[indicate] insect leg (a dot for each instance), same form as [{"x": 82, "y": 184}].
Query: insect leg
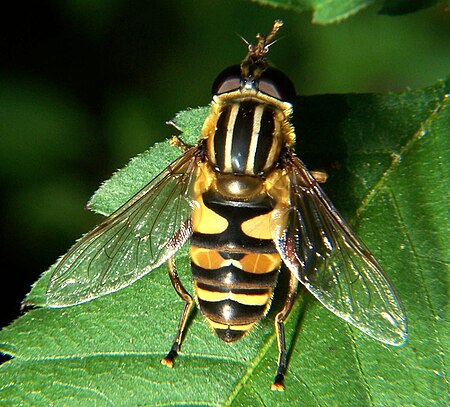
[
  {"x": 177, "y": 142},
  {"x": 278, "y": 383},
  {"x": 169, "y": 360},
  {"x": 320, "y": 176}
]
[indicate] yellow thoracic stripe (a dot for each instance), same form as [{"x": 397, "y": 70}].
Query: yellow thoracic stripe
[
  {"x": 254, "y": 140},
  {"x": 229, "y": 138},
  {"x": 245, "y": 299}
]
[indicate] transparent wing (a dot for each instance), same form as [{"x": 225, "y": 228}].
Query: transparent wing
[
  {"x": 332, "y": 262},
  {"x": 134, "y": 240}
]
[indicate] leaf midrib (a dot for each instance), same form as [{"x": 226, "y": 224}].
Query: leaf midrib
[{"x": 396, "y": 160}]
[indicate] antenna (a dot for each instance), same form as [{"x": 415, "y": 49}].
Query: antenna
[{"x": 255, "y": 63}]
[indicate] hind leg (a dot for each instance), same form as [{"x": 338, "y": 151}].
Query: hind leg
[
  {"x": 169, "y": 360},
  {"x": 278, "y": 383}
]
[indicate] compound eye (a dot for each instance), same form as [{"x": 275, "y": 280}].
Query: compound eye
[
  {"x": 269, "y": 88},
  {"x": 276, "y": 84},
  {"x": 228, "y": 80}
]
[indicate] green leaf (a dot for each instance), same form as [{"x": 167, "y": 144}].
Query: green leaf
[
  {"x": 324, "y": 11},
  {"x": 389, "y": 178},
  {"x": 332, "y": 11}
]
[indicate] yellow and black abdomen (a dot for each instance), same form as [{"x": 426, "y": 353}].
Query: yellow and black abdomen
[{"x": 234, "y": 262}]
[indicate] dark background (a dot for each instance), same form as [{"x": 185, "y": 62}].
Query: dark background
[{"x": 84, "y": 86}]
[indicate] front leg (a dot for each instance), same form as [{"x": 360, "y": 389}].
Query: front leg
[
  {"x": 320, "y": 176},
  {"x": 177, "y": 142}
]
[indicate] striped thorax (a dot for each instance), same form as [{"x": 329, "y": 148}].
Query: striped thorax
[{"x": 246, "y": 131}]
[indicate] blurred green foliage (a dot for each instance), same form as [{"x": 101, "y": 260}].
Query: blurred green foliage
[{"x": 84, "y": 86}]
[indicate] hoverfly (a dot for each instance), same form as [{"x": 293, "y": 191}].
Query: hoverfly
[{"x": 248, "y": 205}]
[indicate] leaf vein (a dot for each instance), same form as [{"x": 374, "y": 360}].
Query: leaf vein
[
  {"x": 84, "y": 388},
  {"x": 359, "y": 364},
  {"x": 397, "y": 158},
  {"x": 427, "y": 295}
]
